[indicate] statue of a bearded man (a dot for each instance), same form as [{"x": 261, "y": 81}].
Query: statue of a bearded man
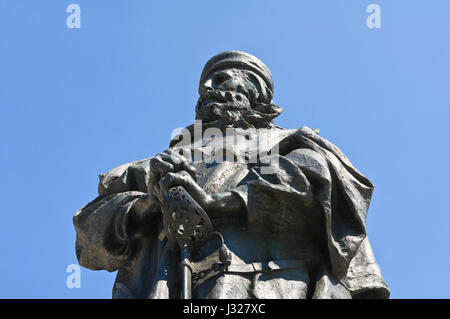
[{"x": 286, "y": 208}]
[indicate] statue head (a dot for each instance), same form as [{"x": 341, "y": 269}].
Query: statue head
[{"x": 236, "y": 90}]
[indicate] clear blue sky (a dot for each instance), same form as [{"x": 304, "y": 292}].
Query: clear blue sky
[{"x": 78, "y": 102}]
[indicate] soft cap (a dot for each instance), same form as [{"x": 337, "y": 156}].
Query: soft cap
[{"x": 233, "y": 59}]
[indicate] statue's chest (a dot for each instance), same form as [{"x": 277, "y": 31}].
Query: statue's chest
[
  {"x": 220, "y": 177},
  {"x": 223, "y": 161}
]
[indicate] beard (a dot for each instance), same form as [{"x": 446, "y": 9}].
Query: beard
[{"x": 224, "y": 109}]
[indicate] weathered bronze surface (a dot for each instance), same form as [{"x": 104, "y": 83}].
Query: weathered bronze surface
[{"x": 286, "y": 208}]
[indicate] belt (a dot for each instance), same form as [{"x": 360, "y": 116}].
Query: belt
[
  {"x": 266, "y": 266},
  {"x": 220, "y": 262},
  {"x": 208, "y": 268}
]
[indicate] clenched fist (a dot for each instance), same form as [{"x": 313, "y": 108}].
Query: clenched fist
[{"x": 169, "y": 169}]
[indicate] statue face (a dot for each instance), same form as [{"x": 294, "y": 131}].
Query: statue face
[
  {"x": 236, "y": 97},
  {"x": 233, "y": 80},
  {"x": 226, "y": 94}
]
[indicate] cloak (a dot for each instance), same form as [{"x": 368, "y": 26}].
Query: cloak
[{"x": 314, "y": 190}]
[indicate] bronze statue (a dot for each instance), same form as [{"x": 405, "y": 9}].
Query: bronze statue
[{"x": 248, "y": 209}]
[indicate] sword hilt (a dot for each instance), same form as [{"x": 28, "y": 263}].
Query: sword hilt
[
  {"x": 186, "y": 224},
  {"x": 185, "y": 221}
]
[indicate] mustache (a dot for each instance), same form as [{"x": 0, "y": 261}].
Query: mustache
[
  {"x": 226, "y": 97},
  {"x": 214, "y": 104},
  {"x": 212, "y": 111},
  {"x": 236, "y": 109}
]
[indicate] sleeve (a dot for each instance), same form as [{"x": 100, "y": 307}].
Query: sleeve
[
  {"x": 345, "y": 204},
  {"x": 364, "y": 277},
  {"x": 102, "y": 240}
]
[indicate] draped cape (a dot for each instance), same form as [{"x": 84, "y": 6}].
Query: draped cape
[{"x": 308, "y": 169}]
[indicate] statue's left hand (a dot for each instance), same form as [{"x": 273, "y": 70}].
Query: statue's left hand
[
  {"x": 218, "y": 205},
  {"x": 166, "y": 162},
  {"x": 184, "y": 179}
]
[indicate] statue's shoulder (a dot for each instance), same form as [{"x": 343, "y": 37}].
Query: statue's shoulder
[
  {"x": 309, "y": 135},
  {"x": 310, "y": 138},
  {"x": 305, "y": 130},
  {"x": 131, "y": 176},
  {"x": 302, "y": 152}
]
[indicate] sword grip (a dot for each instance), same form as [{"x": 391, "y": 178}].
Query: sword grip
[{"x": 186, "y": 274}]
